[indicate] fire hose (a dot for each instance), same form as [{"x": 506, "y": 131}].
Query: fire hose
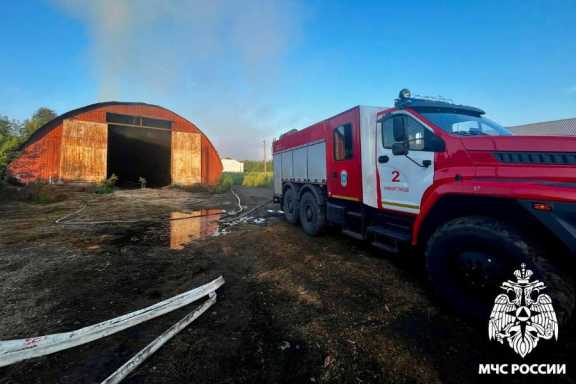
[{"x": 63, "y": 219}]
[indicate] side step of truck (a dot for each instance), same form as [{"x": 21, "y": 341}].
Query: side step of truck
[
  {"x": 354, "y": 225},
  {"x": 353, "y": 234},
  {"x": 389, "y": 238},
  {"x": 397, "y": 233}
]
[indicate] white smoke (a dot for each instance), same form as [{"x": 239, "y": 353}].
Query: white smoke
[{"x": 196, "y": 55}]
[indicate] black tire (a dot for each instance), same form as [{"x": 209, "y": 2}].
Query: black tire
[
  {"x": 290, "y": 206},
  {"x": 469, "y": 258},
  {"x": 312, "y": 215}
]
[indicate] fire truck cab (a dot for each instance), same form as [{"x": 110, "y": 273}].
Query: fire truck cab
[{"x": 441, "y": 179}]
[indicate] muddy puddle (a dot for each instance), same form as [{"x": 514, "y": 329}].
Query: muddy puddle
[
  {"x": 186, "y": 227},
  {"x": 183, "y": 227},
  {"x": 179, "y": 229}
]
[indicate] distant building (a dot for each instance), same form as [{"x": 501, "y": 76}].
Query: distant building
[
  {"x": 231, "y": 165},
  {"x": 565, "y": 127}
]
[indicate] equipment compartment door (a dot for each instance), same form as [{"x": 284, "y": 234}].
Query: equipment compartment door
[{"x": 344, "y": 158}]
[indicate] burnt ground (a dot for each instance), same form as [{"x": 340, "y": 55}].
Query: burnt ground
[{"x": 294, "y": 309}]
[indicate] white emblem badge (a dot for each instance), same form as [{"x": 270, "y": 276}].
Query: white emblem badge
[
  {"x": 522, "y": 321},
  {"x": 344, "y": 178}
]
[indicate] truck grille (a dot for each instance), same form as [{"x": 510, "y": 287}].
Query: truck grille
[{"x": 560, "y": 158}]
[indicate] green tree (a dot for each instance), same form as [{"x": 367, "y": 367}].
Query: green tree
[
  {"x": 9, "y": 127},
  {"x": 4, "y": 126},
  {"x": 9, "y": 141},
  {"x": 257, "y": 166},
  {"x": 38, "y": 119},
  {"x": 13, "y": 133}
]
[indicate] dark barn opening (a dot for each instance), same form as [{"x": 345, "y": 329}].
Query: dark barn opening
[{"x": 139, "y": 147}]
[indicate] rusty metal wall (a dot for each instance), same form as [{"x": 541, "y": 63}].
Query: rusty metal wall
[
  {"x": 211, "y": 163},
  {"x": 83, "y": 151},
  {"x": 39, "y": 160},
  {"x": 186, "y": 158}
]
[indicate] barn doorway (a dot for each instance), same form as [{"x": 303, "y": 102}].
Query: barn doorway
[{"x": 137, "y": 150}]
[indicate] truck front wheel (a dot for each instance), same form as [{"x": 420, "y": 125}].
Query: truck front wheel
[
  {"x": 469, "y": 258},
  {"x": 312, "y": 215}
]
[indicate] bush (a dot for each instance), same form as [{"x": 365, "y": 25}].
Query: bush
[
  {"x": 236, "y": 177},
  {"x": 258, "y": 179},
  {"x": 8, "y": 147},
  {"x": 227, "y": 180},
  {"x": 107, "y": 186},
  {"x": 257, "y": 166}
]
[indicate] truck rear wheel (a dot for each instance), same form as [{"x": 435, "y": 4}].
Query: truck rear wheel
[
  {"x": 290, "y": 206},
  {"x": 312, "y": 215},
  {"x": 469, "y": 258}
]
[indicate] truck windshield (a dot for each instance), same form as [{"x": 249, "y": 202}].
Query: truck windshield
[{"x": 465, "y": 125}]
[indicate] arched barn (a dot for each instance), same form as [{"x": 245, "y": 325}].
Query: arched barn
[{"x": 130, "y": 140}]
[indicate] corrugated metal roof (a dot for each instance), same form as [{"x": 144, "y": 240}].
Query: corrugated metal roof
[
  {"x": 565, "y": 127},
  {"x": 76, "y": 111}
]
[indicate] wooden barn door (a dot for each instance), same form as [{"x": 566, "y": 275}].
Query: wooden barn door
[
  {"x": 83, "y": 153},
  {"x": 186, "y": 158}
]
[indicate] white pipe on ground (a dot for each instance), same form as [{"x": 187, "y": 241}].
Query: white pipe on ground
[
  {"x": 136, "y": 360},
  {"x": 13, "y": 351}
]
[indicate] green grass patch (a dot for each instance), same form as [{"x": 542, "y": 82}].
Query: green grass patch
[
  {"x": 107, "y": 186},
  {"x": 229, "y": 179},
  {"x": 258, "y": 179}
]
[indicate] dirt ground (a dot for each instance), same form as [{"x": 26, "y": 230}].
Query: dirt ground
[{"x": 294, "y": 309}]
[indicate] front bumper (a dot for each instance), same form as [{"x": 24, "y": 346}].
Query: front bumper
[{"x": 561, "y": 220}]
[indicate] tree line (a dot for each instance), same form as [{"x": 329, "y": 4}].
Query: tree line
[
  {"x": 14, "y": 132},
  {"x": 257, "y": 166}
]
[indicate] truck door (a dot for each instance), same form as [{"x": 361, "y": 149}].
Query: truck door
[
  {"x": 344, "y": 173},
  {"x": 404, "y": 179}
]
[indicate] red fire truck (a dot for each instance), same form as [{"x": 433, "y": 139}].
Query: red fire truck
[{"x": 444, "y": 180}]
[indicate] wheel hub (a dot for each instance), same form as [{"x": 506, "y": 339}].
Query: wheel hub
[
  {"x": 477, "y": 270},
  {"x": 309, "y": 213},
  {"x": 290, "y": 205}
]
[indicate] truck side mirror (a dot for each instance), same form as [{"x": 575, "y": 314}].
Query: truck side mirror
[
  {"x": 399, "y": 130},
  {"x": 400, "y": 148}
]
